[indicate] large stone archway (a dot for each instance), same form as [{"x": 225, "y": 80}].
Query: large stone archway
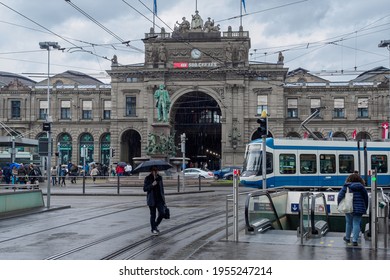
[
  {"x": 130, "y": 146},
  {"x": 198, "y": 115}
]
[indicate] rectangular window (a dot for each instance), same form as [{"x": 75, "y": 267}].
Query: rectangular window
[
  {"x": 287, "y": 164},
  {"x": 87, "y": 110},
  {"x": 346, "y": 164},
  {"x": 292, "y": 108},
  {"x": 315, "y": 103},
  {"x": 338, "y": 111},
  {"x": 379, "y": 162},
  {"x": 15, "y": 109},
  {"x": 262, "y": 104},
  {"x": 42, "y": 109},
  {"x": 65, "y": 110},
  {"x": 328, "y": 164},
  {"x": 107, "y": 109},
  {"x": 131, "y": 106},
  {"x": 308, "y": 163},
  {"x": 363, "y": 107}
]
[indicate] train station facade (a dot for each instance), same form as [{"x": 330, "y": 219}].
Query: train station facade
[{"x": 216, "y": 97}]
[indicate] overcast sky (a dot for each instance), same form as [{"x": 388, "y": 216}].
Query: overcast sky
[{"x": 319, "y": 35}]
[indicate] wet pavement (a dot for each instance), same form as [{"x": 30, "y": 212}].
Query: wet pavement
[{"x": 80, "y": 215}]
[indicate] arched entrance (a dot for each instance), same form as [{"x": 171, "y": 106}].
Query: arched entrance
[
  {"x": 130, "y": 146},
  {"x": 198, "y": 115}
]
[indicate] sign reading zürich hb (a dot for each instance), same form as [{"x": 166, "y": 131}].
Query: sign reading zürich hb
[{"x": 201, "y": 65}]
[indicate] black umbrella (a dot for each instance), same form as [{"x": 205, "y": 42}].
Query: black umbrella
[{"x": 147, "y": 165}]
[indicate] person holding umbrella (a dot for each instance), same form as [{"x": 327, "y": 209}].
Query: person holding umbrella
[{"x": 155, "y": 199}]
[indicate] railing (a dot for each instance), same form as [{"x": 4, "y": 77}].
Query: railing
[
  {"x": 304, "y": 214},
  {"x": 84, "y": 183},
  {"x": 313, "y": 216}
]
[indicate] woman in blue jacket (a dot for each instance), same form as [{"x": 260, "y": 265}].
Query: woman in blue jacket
[
  {"x": 360, "y": 204},
  {"x": 155, "y": 199}
]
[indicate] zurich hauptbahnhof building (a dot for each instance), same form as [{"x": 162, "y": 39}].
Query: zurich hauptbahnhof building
[{"x": 216, "y": 97}]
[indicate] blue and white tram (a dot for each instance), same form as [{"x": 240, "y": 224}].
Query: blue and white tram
[{"x": 310, "y": 163}]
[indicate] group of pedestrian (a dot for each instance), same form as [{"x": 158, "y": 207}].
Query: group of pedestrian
[{"x": 20, "y": 174}]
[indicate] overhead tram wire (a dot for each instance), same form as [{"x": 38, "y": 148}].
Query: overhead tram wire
[
  {"x": 48, "y": 30},
  {"x": 127, "y": 43},
  {"x": 140, "y": 12},
  {"x": 262, "y": 11}
]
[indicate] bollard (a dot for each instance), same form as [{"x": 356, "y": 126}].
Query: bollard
[
  {"x": 178, "y": 183},
  {"x": 84, "y": 183},
  {"x": 200, "y": 183},
  {"x": 118, "y": 184}
]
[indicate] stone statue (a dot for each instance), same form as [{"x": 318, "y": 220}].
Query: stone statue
[
  {"x": 152, "y": 144},
  {"x": 241, "y": 53},
  {"x": 229, "y": 52},
  {"x": 114, "y": 60},
  {"x": 163, "y": 103},
  {"x": 149, "y": 54},
  {"x": 208, "y": 25},
  {"x": 197, "y": 21},
  {"x": 280, "y": 58},
  {"x": 162, "y": 53},
  {"x": 184, "y": 26}
]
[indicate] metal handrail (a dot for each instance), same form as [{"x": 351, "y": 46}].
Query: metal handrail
[
  {"x": 303, "y": 234},
  {"x": 313, "y": 204},
  {"x": 260, "y": 193}
]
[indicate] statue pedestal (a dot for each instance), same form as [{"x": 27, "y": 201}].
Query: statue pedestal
[{"x": 161, "y": 128}]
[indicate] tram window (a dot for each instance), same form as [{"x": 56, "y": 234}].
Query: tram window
[
  {"x": 308, "y": 163},
  {"x": 287, "y": 164},
  {"x": 327, "y": 164},
  {"x": 346, "y": 164},
  {"x": 379, "y": 162},
  {"x": 269, "y": 163}
]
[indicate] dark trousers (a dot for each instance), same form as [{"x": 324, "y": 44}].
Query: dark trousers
[{"x": 153, "y": 211}]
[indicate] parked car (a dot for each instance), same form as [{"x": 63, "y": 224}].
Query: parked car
[
  {"x": 220, "y": 173},
  {"x": 196, "y": 172},
  {"x": 229, "y": 175}
]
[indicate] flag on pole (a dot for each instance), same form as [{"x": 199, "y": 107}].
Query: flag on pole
[
  {"x": 354, "y": 134},
  {"x": 243, "y": 4},
  {"x": 155, "y": 7},
  {"x": 385, "y": 130}
]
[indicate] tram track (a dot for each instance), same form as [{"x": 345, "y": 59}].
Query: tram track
[
  {"x": 71, "y": 223},
  {"x": 139, "y": 248}
]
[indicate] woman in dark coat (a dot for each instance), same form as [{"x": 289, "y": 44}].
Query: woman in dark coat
[
  {"x": 155, "y": 199},
  {"x": 360, "y": 204}
]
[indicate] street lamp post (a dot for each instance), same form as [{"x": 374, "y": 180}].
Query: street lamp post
[
  {"x": 386, "y": 44},
  {"x": 47, "y": 46}
]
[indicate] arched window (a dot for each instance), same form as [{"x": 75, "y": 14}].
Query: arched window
[
  {"x": 86, "y": 142},
  {"x": 64, "y": 148},
  {"x": 105, "y": 149}
]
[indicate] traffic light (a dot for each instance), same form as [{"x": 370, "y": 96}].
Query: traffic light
[
  {"x": 262, "y": 129},
  {"x": 112, "y": 152},
  {"x": 46, "y": 126}
]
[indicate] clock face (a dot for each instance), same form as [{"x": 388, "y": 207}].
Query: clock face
[{"x": 195, "y": 53}]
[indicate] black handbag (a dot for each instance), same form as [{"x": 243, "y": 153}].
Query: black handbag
[{"x": 167, "y": 213}]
